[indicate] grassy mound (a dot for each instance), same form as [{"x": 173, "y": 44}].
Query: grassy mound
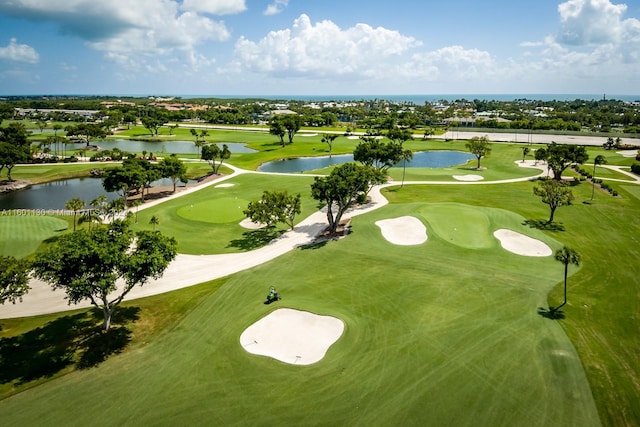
[{"x": 21, "y": 235}]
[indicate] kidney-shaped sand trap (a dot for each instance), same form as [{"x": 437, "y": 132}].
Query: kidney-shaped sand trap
[
  {"x": 224, "y": 185},
  {"x": 520, "y": 244},
  {"x": 292, "y": 336},
  {"x": 404, "y": 230}
]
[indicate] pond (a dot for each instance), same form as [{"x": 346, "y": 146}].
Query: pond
[
  {"x": 54, "y": 195},
  {"x": 421, "y": 159},
  {"x": 158, "y": 148}
]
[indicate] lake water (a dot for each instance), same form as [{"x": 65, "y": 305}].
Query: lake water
[
  {"x": 159, "y": 148},
  {"x": 421, "y": 159},
  {"x": 53, "y": 195}
]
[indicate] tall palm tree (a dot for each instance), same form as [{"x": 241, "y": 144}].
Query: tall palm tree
[
  {"x": 407, "y": 155},
  {"x": 566, "y": 256},
  {"x": 76, "y": 205},
  {"x": 154, "y": 221},
  {"x": 599, "y": 160},
  {"x": 525, "y": 151}
]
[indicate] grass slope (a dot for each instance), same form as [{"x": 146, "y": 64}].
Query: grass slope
[{"x": 21, "y": 235}]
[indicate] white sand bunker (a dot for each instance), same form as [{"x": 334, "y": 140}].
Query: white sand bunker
[
  {"x": 247, "y": 223},
  {"x": 627, "y": 153},
  {"x": 468, "y": 177},
  {"x": 404, "y": 230},
  {"x": 224, "y": 185},
  {"x": 520, "y": 244},
  {"x": 307, "y": 134},
  {"x": 292, "y": 336}
]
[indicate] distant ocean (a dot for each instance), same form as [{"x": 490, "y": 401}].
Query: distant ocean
[{"x": 421, "y": 99}]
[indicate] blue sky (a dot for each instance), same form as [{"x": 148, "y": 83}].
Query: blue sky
[{"x": 316, "y": 47}]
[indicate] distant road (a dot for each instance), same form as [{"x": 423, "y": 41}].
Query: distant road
[{"x": 519, "y": 137}]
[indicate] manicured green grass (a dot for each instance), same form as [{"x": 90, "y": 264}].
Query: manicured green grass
[
  {"x": 20, "y": 235},
  {"x": 429, "y": 329},
  {"x": 208, "y": 221}
]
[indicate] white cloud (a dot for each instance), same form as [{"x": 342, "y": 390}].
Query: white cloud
[
  {"x": 129, "y": 32},
  {"x": 19, "y": 52},
  {"x": 589, "y": 22},
  {"x": 215, "y": 7},
  {"x": 321, "y": 50},
  {"x": 276, "y": 7}
]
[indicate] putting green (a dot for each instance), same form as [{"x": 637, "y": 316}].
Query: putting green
[
  {"x": 217, "y": 211},
  {"x": 462, "y": 225},
  {"x": 20, "y": 235}
]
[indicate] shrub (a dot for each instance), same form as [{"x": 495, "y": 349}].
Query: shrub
[{"x": 635, "y": 168}]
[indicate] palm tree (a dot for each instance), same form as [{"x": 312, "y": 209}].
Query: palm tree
[
  {"x": 566, "y": 256},
  {"x": 525, "y": 151},
  {"x": 599, "y": 160},
  {"x": 154, "y": 221},
  {"x": 407, "y": 155},
  {"x": 74, "y": 205}
]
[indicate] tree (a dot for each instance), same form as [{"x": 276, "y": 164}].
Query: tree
[
  {"x": 86, "y": 132},
  {"x": 154, "y": 221},
  {"x": 561, "y": 156},
  {"x": 566, "y": 256},
  {"x": 211, "y": 152},
  {"x": 88, "y": 264},
  {"x": 379, "y": 155},
  {"x": 340, "y": 189},
  {"x": 76, "y": 205},
  {"x": 479, "y": 146},
  {"x": 292, "y": 124},
  {"x": 276, "y": 127},
  {"x": 172, "y": 167},
  {"x": 553, "y": 193},
  {"x": 14, "y": 279},
  {"x": 540, "y": 155},
  {"x": 612, "y": 143},
  {"x": 328, "y": 139},
  {"x": 407, "y": 155},
  {"x": 599, "y": 160},
  {"x": 14, "y": 147},
  {"x": 525, "y": 151},
  {"x": 274, "y": 207}
]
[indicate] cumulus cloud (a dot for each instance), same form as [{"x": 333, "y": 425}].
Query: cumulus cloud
[
  {"x": 321, "y": 49},
  {"x": 276, "y": 7},
  {"x": 125, "y": 29},
  {"x": 452, "y": 62},
  {"x": 215, "y": 7},
  {"x": 19, "y": 52},
  {"x": 589, "y": 22}
]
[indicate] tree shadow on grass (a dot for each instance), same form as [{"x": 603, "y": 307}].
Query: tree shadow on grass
[
  {"x": 544, "y": 225},
  {"x": 255, "y": 239},
  {"x": 75, "y": 339},
  {"x": 551, "y": 313}
]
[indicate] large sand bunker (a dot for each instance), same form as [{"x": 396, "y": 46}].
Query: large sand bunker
[
  {"x": 521, "y": 245},
  {"x": 404, "y": 230},
  {"x": 468, "y": 177},
  {"x": 292, "y": 336}
]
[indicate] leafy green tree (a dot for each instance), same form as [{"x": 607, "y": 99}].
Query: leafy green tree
[
  {"x": 276, "y": 127},
  {"x": 599, "y": 160},
  {"x": 274, "y": 207},
  {"x": 14, "y": 147},
  {"x": 212, "y": 152},
  {"x": 399, "y": 135},
  {"x": 88, "y": 264},
  {"x": 479, "y": 146},
  {"x": 540, "y": 155},
  {"x": 172, "y": 167},
  {"x": 86, "y": 132},
  {"x": 561, "y": 156},
  {"x": 328, "y": 139},
  {"x": 76, "y": 205},
  {"x": 14, "y": 279},
  {"x": 340, "y": 189},
  {"x": 292, "y": 124},
  {"x": 566, "y": 256},
  {"x": 377, "y": 154},
  {"x": 553, "y": 193},
  {"x": 525, "y": 152}
]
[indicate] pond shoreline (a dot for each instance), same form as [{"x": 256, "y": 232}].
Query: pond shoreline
[{"x": 15, "y": 185}]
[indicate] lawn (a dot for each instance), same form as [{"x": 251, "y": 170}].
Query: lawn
[
  {"x": 443, "y": 333},
  {"x": 20, "y": 235}
]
